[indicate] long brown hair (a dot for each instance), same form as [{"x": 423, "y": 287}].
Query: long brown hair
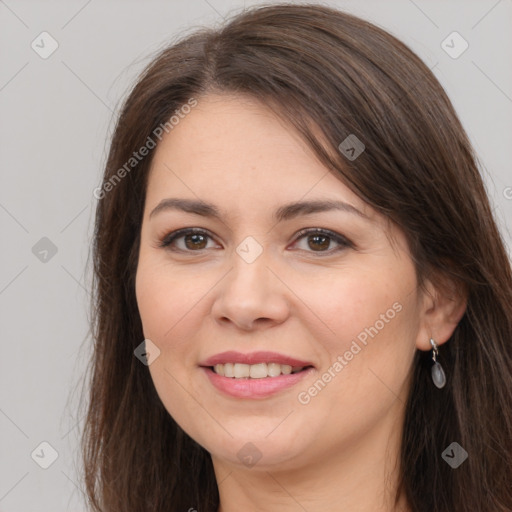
[{"x": 330, "y": 74}]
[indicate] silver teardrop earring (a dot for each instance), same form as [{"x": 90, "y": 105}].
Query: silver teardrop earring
[{"x": 438, "y": 375}]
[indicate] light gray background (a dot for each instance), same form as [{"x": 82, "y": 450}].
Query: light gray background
[{"x": 55, "y": 120}]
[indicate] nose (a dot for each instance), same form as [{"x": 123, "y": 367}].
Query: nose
[{"x": 251, "y": 295}]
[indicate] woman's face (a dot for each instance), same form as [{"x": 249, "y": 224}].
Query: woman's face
[{"x": 250, "y": 293}]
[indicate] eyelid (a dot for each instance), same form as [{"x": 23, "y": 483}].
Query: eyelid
[
  {"x": 340, "y": 239},
  {"x": 172, "y": 236}
]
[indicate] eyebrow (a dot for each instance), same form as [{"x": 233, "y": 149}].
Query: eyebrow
[{"x": 285, "y": 212}]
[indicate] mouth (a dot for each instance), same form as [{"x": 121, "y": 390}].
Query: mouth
[
  {"x": 256, "y": 375},
  {"x": 256, "y": 371}
]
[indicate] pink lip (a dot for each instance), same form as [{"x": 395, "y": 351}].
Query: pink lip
[
  {"x": 255, "y": 388},
  {"x": 253, "y": 358}
]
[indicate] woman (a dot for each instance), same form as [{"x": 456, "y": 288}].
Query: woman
[{"x": 302, "y": 299}]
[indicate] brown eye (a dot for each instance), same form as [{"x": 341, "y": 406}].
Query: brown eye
[
  {"x": 194, "y": 240},
  {"x": 319, "y": 240}
]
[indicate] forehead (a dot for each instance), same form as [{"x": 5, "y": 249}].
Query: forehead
[
  {"x": 233, "y": 134},
  {"x": 234, "y": 150}
]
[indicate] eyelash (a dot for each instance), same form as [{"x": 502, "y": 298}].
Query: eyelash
[{"x": 180, "y": 233}]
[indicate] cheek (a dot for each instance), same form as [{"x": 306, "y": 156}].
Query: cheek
[
  {"x": 367, "y": 361},
  {"x": 369, "y": 321},
  {"x": 165, "y": 298},
  {"x": 168, "y": 306},
  {"x": 354, "y": 306}
]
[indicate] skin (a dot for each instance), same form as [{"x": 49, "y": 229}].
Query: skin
[{"x": 338, "y": 451}]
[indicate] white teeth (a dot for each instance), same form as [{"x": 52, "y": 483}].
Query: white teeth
[
  {"x": 273, "y": 369},
  {"x": 240, "y": 370},
  {"x": 228, "y": 370},
  {"x": 254, "y": 371},
  {"x": 258, "y": 371},
  {"x": 286, "y": 369}
]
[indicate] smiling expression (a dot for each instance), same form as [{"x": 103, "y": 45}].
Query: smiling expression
[{"x": 258, "y": 269}]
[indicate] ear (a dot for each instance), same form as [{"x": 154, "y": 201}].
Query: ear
[{"x": 442, "y": 306}]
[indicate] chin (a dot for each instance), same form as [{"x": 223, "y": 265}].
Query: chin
[{"x": 257, "y": 449}]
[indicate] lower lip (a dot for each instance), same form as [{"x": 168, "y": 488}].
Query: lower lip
[{"x": 254, "y": 388}]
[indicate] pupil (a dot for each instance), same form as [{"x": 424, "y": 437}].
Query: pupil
[
  {"x": 196, "y": 242},
  {"x": 321, "y": 237}
]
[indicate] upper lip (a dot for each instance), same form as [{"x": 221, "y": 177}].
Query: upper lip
[{"x": 253, "y": 358}]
